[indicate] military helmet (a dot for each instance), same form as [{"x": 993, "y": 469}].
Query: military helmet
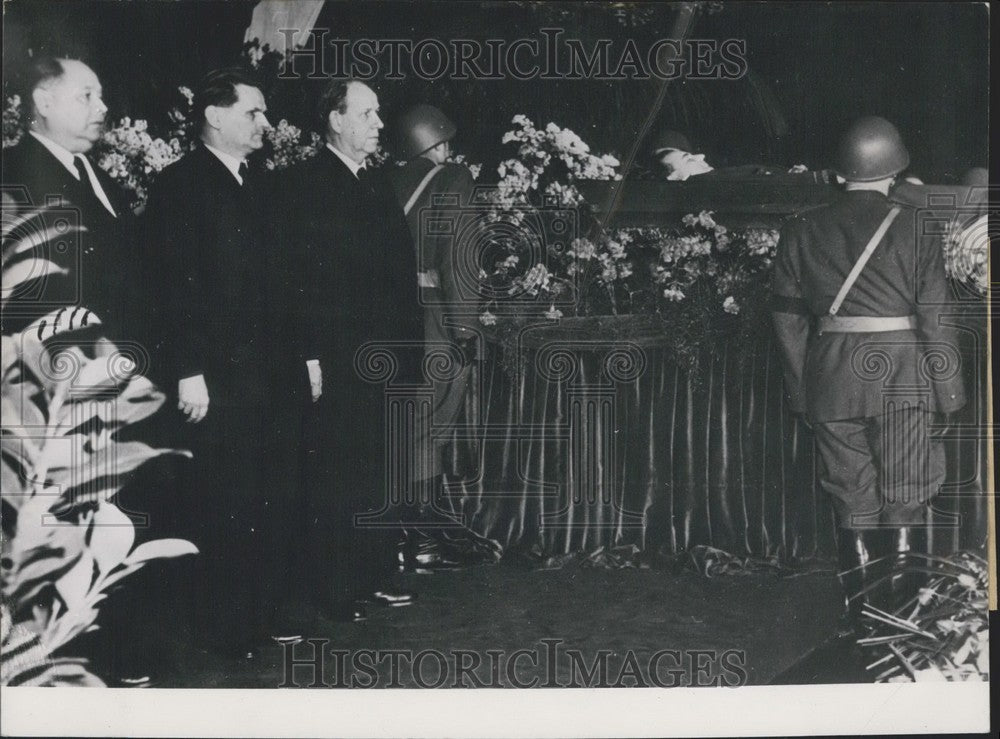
[
  {"x": 668, "y": 139},
  {"x": 976, "y": 177},
  {"x": 870, "y": 150},
  {"x": 422, "y": 127}
]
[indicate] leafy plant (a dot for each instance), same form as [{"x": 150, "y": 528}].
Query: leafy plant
[
  {"x": 66, "y": 393},
  {"x": 940, "y": 634}
]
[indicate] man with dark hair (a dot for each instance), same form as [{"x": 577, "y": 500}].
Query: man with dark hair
[
  {"x": 359, "y": 272},
  {"x": 207, "y": 212},
  {"x": 671, "y": 156},
  {"x": 50, "y": 167}
]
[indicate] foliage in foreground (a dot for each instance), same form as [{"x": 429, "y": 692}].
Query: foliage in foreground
[
  {"x": 66, "y": 393},
  {"x": 942, "y": 634}
]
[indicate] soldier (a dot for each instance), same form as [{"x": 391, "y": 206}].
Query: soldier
[
  {"x": 424, "y": 134},
  {"x": 857, "y": 294}
]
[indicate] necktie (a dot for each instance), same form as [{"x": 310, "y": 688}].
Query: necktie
[
  {"x": 364, "y": 176},
  {"x": 244, "y": 170},
  {"x": 81, "y": 169}
]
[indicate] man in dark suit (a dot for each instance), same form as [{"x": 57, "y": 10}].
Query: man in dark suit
[
  {"x": 50, "y": 166},
  {"x": 360, "y": 268},
  {"x": 869, "y": 358},
  {"x": 206, "y": 215}
]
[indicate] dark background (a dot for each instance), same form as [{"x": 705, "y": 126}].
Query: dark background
[{"x": 812, "y": 68}]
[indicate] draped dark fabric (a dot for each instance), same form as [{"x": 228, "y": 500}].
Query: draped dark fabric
[{"x": 610, "y": 443}]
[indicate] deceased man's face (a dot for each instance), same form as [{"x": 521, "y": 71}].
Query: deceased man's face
[{"x": 682, "y": 164}]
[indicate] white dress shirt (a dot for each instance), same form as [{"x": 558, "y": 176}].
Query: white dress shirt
[
  {"x": 351, "y": 164},
  {"x": 68, "y": 160},
  {"x": 231, "y": 162}
]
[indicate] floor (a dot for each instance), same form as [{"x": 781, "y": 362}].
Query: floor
[{"x": 574, "y": 627}]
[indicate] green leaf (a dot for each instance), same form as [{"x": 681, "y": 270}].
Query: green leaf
[
  {"x": 35, "y": 239},
  {"x": 74, "y": 586},
  {"x": 29, "y": 269},
  {"x": 161, "y": 549},
  {"x": 139, "y": 400},
  {"x": 111, "y": 538},
  {"x": 115, "y": 460}
]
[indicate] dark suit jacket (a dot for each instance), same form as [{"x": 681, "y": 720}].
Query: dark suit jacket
[
  {"x": 835, "y": 376},
  {"x": 359, "y": 264},
  {"x": 358, "y": 270},
  {"x": 206, "y": 234},
  {"x": 100, "y": 260}
]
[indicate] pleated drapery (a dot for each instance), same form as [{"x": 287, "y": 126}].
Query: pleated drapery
[{"x": 606, "y": 443}]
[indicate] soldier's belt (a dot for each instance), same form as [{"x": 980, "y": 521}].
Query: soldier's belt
[
  {"x": 865, "y": 324},
  {"x": 428, "y": 279}
]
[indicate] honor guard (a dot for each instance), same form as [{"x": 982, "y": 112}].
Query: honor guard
[
  {"x": 433, "y": 190},
  {"x": 858, "y": 297}
]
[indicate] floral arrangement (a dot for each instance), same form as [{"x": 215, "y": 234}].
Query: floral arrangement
[
  {"x": 12, "y": 128},
  {"x": 133, "y": 157},
  {"x": 66, "y": 544},
  {"x": 966, "y": 246},
  {"x": 547, "y": 163},
  {"x": 289, "y": 146},
  {"x": 474, "y": 169},
  {"x": 940, "y": 635},
  {"x": 704, "y": 281}
]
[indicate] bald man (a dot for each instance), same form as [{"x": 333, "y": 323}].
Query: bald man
[{"x": 51, "y": 166}]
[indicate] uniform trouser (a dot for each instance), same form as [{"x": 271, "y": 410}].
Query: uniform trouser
[
  {"x": 431, "y": 432},
  {"x": 880, "y": 470}
]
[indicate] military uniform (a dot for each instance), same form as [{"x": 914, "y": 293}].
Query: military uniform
[
  {"x": 869, "y": 392},
  {"x": 443, "y": 266}
]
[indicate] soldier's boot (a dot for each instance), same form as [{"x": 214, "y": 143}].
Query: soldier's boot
[
  {"x": 905, "y": 575},
  {"x": 861, "y": 555}
]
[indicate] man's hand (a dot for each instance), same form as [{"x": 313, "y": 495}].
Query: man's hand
[
  {"x": 315, "y": 378},
  {"x": 192, "y": 396}
]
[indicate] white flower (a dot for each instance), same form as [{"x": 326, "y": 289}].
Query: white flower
[
  {"x": 536, "y": 279},
  {"x": 729, "y": 305},
  {"x": 674, "y": 294},
  {"x": 487, "y": 318},
  {"x": 553, "y": 312},
  {"x": 582, "y": 249}
]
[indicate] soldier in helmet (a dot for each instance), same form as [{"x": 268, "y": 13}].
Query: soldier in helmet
[
  {"x": 857, "y": 297},
  {"x": 426, "y": 184}
]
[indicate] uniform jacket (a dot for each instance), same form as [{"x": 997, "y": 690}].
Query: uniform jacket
[
  {"x": 206, "y": 234},
  {"x": 833, "y": 376},
  {"x": 449, "y": 256},
  {"x": 100, "y": 260}
]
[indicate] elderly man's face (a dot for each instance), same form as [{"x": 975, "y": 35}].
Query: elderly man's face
[
  {"x": 241, "y": 126},
  {"x": 682, "y": 164},
  {"x": 69, "y": 109},
  {"x": 356, "y": 129}
]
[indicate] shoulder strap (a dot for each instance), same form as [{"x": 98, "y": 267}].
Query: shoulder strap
[
  {"x": 420, "y": 188},
  {"x": 859, "y": 265}
]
